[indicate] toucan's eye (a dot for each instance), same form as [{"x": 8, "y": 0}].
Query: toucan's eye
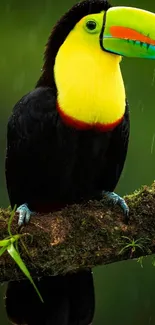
[{"x": 91, "y": 26}]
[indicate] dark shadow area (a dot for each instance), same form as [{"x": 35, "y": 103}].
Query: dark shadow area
[{"x": 68, "y": 300}]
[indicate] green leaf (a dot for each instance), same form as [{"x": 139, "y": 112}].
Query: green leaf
[
  {"x": 8, "y": 244},
  {"x": 2, "y": 250},
  {"x": 12, "y": 251},
  {"x": 125, "y": 237},
  {"x": 15, "y": 237},
  {"x": 140, "y": 261},
  {"x": 153, "y": 261},
  {"x": 25, "y": 248},
  {"x": 5, "y": 242},
  {"x": 122, "y": 250}
]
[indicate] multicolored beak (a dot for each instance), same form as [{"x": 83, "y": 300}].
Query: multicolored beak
[{"x": 129, "y": 32}]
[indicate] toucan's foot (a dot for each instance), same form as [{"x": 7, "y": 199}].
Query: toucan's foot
[
  {"x": 24, "y": 214},
  {"x": 115, "y": 199}
]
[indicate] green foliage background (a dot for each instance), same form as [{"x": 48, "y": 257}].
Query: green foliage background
[{"x": 125, "y": 292}]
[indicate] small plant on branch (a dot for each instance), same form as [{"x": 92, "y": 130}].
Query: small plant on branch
[
  {"x": 10, "y": 244},
  {"x": 132, "y": 245}
]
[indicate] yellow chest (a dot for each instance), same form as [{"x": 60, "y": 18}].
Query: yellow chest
[{"x": 89, "y": 83}]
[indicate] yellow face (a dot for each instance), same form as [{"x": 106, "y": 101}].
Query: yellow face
[{"x": 89, "y": 81}]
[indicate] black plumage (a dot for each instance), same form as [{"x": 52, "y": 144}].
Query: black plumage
[
  {"x": 49, "y": 165},
  {"x": 68, "y": 300}
]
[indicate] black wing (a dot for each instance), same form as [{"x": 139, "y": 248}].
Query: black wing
[{"x": 31, "y": 131}]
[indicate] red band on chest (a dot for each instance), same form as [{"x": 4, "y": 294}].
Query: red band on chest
[{"x": 80, "y": 125}]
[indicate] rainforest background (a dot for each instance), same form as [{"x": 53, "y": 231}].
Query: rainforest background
[{"x": 125, "y": 292}]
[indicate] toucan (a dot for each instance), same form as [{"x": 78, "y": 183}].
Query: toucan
[{"x": 67, "y": 140}]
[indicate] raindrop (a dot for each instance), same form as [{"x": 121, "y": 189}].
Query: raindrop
[
  {"x": 140, "y": 106},
  {"x": 153, "y": 79},
  {"x": 19, "y": 81},
  {"x": 152, "y": 144},
  {"x": 8, "y": 8}
]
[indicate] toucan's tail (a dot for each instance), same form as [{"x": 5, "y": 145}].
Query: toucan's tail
[{"x": 68, "y": 300}]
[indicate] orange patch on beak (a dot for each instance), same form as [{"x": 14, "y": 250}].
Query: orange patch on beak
[{"x": 131, "y": 34}]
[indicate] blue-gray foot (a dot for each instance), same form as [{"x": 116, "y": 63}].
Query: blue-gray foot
[
  {"x": 115, "y": 199},
  {"x": 24, "y": 214}
]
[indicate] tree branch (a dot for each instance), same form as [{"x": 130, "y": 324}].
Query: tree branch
[{"x": 83, "y": 236}]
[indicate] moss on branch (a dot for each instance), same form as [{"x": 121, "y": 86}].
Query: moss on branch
[{"x": 83, "y": 236}]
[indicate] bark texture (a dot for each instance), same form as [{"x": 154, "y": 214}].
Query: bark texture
[{"x": 82, "y": 236}]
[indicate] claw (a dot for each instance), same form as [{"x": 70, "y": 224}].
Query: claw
[
  {"x": 24, "y": 214},
  {"x": 115, "y": 199}
]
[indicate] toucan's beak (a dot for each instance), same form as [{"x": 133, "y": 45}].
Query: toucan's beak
[{"x": 129, "y": 32}]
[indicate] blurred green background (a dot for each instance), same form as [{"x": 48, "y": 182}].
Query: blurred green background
[{"x": 125, "y": 292}]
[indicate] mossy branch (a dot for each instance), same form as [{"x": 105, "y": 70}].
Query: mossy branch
[{"x": 83, "y": 236}]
